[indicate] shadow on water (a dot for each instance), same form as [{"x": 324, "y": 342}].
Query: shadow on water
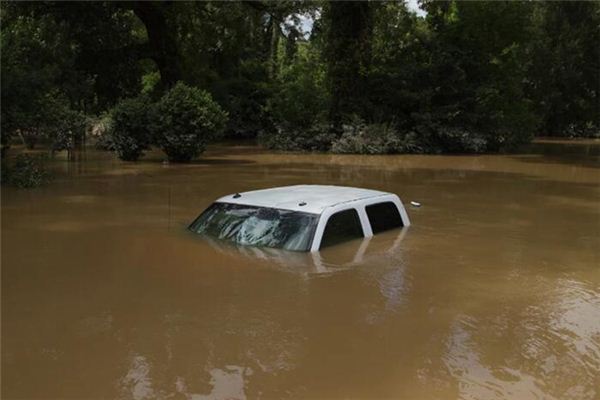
[{"x": 221, "y": 161}]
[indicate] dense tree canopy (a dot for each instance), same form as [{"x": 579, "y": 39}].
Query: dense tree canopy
[{"x": 468, "y": 76}]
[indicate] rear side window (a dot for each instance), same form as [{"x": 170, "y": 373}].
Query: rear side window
[
  {"x": 341, "y": 227},
  {"x": 383, "y": 216}
]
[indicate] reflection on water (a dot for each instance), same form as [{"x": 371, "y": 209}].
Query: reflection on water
[{"x": 492, "y": 293}]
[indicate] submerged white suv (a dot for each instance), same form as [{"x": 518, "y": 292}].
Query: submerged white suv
[{"x": 301, "y": 217}]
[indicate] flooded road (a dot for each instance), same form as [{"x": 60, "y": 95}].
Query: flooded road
[{"x": 492, "y": 293}]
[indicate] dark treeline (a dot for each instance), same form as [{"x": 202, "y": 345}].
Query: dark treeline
[{"x": 366, "y": 77}]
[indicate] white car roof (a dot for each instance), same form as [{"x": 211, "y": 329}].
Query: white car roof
[{"x": 316, "y": 197}]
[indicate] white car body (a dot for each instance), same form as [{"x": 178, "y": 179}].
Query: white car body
[{"x": 323, "y": 200}]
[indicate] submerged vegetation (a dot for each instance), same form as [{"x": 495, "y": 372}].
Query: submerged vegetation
[
  {"x": 184, "y": 120},
  {"x": 26, "y": 172},
  {"x": 180, "y": 123},
  {"x": 347, "y": 77}
]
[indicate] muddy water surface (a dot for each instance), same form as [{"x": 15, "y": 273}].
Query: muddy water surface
[{"x": 492, "y": 293}]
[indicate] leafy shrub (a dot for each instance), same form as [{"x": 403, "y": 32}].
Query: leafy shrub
[
  {"x": 441, "y": 133},
  {"x": 104, "y": 142},
  {"x": 361, "y": 138},
  {"x": 100, "y": 131},
  {"x": 317, "y": 137},
  {"x": 67, "y": 130},
  {"x": 588, "y": 130},
  {"x": 185, "y": 119},
  {"x": 357, "y": 138},
  {"x": 130, "y": 130},
  {"x": 26, "y": 172},
  {"x": 50, "y": 120}
]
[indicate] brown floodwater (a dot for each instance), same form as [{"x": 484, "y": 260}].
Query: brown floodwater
[{"x": 492, "y": 293}]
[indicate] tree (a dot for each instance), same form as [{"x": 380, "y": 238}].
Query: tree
[
  {"x": 349, "y": 55},
  {"x": 35, "y": 105},
  {"x": 475, "y": 79},
  {"x": 565, "y": 73},
  {"x": 162, "y": 41}
]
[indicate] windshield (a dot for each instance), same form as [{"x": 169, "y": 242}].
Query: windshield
[{"x": 257, "y": 226}]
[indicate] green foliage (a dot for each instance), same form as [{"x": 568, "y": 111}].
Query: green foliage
[
  {"x": 100, "y": 131},
  {"x": 130, "y": 128},
  {"x": 317, "y": 137},
  {"x": 67, "y": 129},
  {"x": 564, "y": 67},
  {"x": 398, "y": 77},
  {"x": 181, "y": 123},
  {"x": 185, "y": 119},
  {"x": 468, "y": 77},
  {"x": 26, "y": 172},
  {"x": 51, "y": 70},
  {"x": 348, "y": 53},
  {"x": 150, "y": 82},
  {"x": 590, "y": 129},
  {"x": 440, "y": 137},
  {"x": 33, "y": 54},
  {"x": 300, "y": 98},
  {"x": 361, "y": 138},
  {"x": 70, "y": 49},
  {"x": 244, "y": 97},
  {"x": 473, "y": 94},
  {"x": 49, "y": 120}
]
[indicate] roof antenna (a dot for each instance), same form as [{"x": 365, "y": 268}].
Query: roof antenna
[
  {"x": 237, "y": 196},
  {"x": 301, "y": 204}
]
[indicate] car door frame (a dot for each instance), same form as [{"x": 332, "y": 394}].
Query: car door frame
[{"x": 359, "y": 207}]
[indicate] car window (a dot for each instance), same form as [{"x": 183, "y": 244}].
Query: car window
[
  {"x": 257, "y": 226},
  {"x": 342, "y": 226},
  {"x": 383, "y": 216}
]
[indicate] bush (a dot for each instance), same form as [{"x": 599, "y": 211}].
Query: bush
[
  {"x": 130, "y": 130},
  {"x": 357, "y": 138},
  {"x": 68, "y": 129},
  {"x": 361, "y": 138},
  {"x": 317, "y": 137},
  {"x": 27, "y": 172},
  {"x": 185, "y": 119},
  {"x": 100, "y": 131},
  {"x": 50, "y": 120},
  {"x": 439, "y": 136},
  {"x": 586, "y": 130}
]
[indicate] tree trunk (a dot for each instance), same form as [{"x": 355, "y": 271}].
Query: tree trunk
[
  {"x": 275, "y": 32},
  {"x": 161, "y": 40}
]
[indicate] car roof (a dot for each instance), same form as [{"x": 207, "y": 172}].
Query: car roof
[{"x": 316, "y": 197}]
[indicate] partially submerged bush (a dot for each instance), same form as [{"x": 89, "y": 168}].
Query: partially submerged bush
[
  {"x": 587, "y": 130},
  {"x": 453, "y": 140},
  {"x": 68, "y": 130},
  {"x": 185, "y": 119},
  {"x": 130, "y": 129},
  {"x": 101, "y": 132},
  {"x": 361, "y": 138},
  {"x": 357, "y": 137},
  {"x": 49, "y": 120},
  {"x": 26, "y": 172},
  {"x": 317, "y": 137}
]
